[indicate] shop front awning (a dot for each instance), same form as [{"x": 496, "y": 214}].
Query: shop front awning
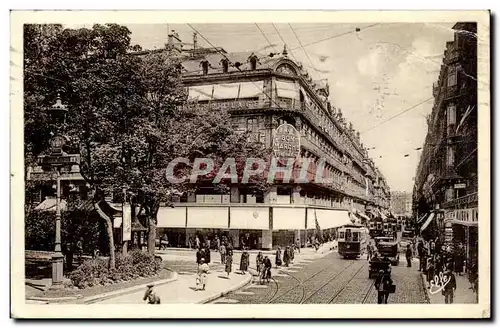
[
  {"x": 362, "y": 215},
  {"x": 208, "y": 217},
  {"x": 327, "y": 219},
  {"x": 288, "y": 218},
  {"x": 171, "y": 217},
  {"x": 382, "y": 215},
  {"x": 249, "y": 218},
  {"x": 287, "y": 90},
  {"x": 427, "y": 222}
]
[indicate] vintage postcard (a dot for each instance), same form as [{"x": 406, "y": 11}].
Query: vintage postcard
[{"x": 238, "y": 164}]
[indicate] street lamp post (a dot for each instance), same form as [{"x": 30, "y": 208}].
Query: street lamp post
[{"x": 55, "y": 161}]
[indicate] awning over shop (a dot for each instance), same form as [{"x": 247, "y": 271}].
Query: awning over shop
[
  {"x": 207, "y": 217},
  {"x": 172, "y": 217},
  {"x": 251, "y": 89},
  {"x": 249, "y": 218},
  {"x": 287, "y": 90},
  {"x": 49, "y": 204},
  {"x": 226, "y": 91},
  {"x": 327, "y": 219},
  {"x": 362, "y": 215},
  {"x": 201, "y": 92},
  {"x": 289, "y": 218},
  {"x": 382, "y": 215},
  {"x": 427, "y": 222}
]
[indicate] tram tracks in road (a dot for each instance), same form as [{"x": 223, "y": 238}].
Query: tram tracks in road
[
  {"x": 301, "y": 284},
  {"x": 345, "y": 285}
]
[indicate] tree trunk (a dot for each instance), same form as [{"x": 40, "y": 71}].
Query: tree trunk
[
  {"x": 151, "y": 235},
  {"x": 109, "y": 231}
]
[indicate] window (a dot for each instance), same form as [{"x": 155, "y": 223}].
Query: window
[
  {"x": 225, "y": 66},
  {"x": 451, "y": 114},
  {"x": 253, "y": 128},
  {"x": 341, "y": 235},
  {"x": 253, "y": 63},
  {"x": 204, "y": 65},
  {"x": 452, "y": 76},
  {"x": 450, "y": 156}
]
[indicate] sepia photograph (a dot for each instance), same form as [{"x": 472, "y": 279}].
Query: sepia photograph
[{"x": 209, "y": 163}]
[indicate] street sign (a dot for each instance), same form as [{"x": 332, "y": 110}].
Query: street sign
[
  {"x": 286, "y": 141},
  {"x": 59, "y": 160},
  {"x": 460, "y": 185}
]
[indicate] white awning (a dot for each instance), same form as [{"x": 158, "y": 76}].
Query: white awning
[
  {"x": 226, "y": 91},
  {"x": 327, "y": 219},
  {"x": 207, "y": 217},
  {"x": 427, "y": 222},
  {"x": 251, "y": 89},
  {"x": 289, "y": 218},
  {"x": 287, "y": 90},
  {"x": 382, "y": 215},
  {"x": 201, "y": 92},
  {"x": 254, "y": 218},
  {"x": 362, "y": 215},
  {"x": 171, "y": 217}
]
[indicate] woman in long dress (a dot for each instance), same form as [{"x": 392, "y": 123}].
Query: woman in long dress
[
  {"x": 229, "y": 261},
  {"x": 244, "y": 261},
  {"x": 286, "y": 256},
  {"x": 278, "y": 257}
]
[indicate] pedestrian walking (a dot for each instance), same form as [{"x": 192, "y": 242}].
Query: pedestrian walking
[
  {"x": 297, "y": 243},
  {"x": 286, "y": 256},
  {"x": 409, "y": 256},
  {"x": 383, "y": 284},
  {"x": 370, "y": 251},
  {"x": 278, "y": 257},
  {"x": 203, "y": 269},
  {"x": 449, "y": 287},
  {"x": 150, "y": 295},
  {"x": 222, "y": 252},
  {"x": 199, "y": 255},
  {"x": 229, "y": 261},
  {"x": 259, "y": 261},
  {"x": 459, "y": 259},
  {"x": 245, "y": 257},
  {"x": 292, "y": 253},
  {"x": 430, "y": 270},
  {"x": 421, "y": 255}
]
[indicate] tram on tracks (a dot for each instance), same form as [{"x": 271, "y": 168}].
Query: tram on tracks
[{"x": 352, "y": 240}]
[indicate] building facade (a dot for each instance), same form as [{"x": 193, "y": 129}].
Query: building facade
[
  {"x": 262, "y": 92},
  {"x": 446, "y": 184},
  {"x": 401, "y": 203}
]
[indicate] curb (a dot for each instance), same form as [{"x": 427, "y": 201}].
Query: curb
[
  {"x": 426, "y": 291},
  {"x": 101, "y": 297},
  {"x": 232, "y": 289}
]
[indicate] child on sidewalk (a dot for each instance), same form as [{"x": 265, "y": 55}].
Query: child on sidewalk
[
  {"x": 202, "y": 274},
  {"x": 151, "y": 296}
]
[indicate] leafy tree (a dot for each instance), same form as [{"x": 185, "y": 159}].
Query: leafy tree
[{"x": 126, "y": 116}]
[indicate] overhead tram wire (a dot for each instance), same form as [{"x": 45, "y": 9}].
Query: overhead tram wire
[
  {"x": 300, "y": 43},
  {"x": 315, "y": 42},
  {"x": 264, "y": 35},
  {"x": 398, "y": 114},
  {"x": 276, "y": 29}
]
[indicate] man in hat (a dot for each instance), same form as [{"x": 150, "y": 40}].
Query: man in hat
[{"x": 151, "y": 296}]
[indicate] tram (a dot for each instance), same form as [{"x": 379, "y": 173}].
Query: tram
[{"x": 352, "y": 240}]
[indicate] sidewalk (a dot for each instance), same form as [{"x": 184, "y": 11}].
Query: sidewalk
[
  {"x": 463, "y": 295},
  {"x": 184, "y": 290}
]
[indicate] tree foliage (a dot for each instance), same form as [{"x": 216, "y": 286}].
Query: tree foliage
[{"x": 125, "y": 116}]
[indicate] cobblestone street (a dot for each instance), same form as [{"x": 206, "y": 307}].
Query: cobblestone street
[{"x": 330, "y": 280}]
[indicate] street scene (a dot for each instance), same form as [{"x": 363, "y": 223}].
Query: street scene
[{"x": 255, "y": 163}]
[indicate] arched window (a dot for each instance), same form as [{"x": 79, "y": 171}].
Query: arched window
[{"x": 204, "y": 65}]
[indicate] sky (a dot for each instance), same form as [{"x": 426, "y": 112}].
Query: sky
[{"x": 374, "y": 74}]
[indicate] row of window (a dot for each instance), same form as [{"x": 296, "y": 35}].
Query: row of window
[{"x": 225, "y": 65}]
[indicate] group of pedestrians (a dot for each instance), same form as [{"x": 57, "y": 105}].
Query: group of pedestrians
[
  {"x": 438, "y": 260},
  {"x": 288, "y": 256}
]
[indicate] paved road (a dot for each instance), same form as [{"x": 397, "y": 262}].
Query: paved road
[{"x": 330, "y": 280}]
